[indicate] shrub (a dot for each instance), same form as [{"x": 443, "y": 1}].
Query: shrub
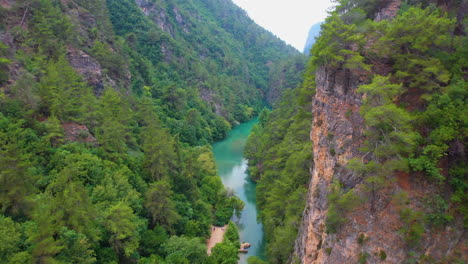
[
  {"x": 363, "y": 257},
  {"x": 383, "y": 255},
  {"x": 340, "y": 203},
  {"x": 362, "y": 239}
]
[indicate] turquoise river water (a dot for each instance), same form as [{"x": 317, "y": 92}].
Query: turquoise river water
[{"x": 232, "y": 168}]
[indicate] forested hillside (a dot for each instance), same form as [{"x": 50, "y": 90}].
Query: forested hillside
[
  {"x": 388, "y": 177},
  {"x": 106, "y": 112}
]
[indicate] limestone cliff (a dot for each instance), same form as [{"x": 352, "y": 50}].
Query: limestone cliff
[{"x": 372, "y": 233}]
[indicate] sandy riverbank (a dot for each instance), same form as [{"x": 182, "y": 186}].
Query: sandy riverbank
[{"x": 217, "y": 235}]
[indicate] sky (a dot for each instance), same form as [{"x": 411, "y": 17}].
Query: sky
[{"x": 290, "y": 20}]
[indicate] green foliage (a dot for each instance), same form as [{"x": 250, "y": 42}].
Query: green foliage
[
  {"x": 429, "y": 28},
  {"x": 224, "y": 210},
  {"x": 232, "y": 234},
  {"x": 4, "y": 62},
  {"x": 152, "y": 241},
  {"x": 382, "y": 255},
  {"x": 391, "y": 134},
  {"x": 63, "y": 94},
  {"x": 255, "y": 260},
  {"x": 185, "y": 250},
  {"x": 340, "y": 203},
  {"x": 279, "y": 154},
  {"x": 77, "y": 248},
  {"x": 460, "y": 185},
  {"x": 70, "y": 204},
  {"x": 438, "y": 208},
  {"x": 50, "y": 27},
  {"x": 442, "y": 107},
  {"x": 10, "y": 238},
  {"x": 362, "y": 238},
  {"x": 111, "y": 61},
  {"x": 159, "y": 205},
  {"x": 412, "y": 220},
  {"x": 122, "y": 225},
  {"x": 159, "y": 150},
  {"x": 115, "y": 116},
  {"x": 413, "y": 226},
  {"x": 224, "y": 253},
  {"x": 55, "y": 131},
  {"x": 16, "y": 176},
  {"x": 25, "y": 90},
  {"x": 333, "y": 47},
  {"x": 363, "y": 257},
  {"x": 182, "y": 81}
]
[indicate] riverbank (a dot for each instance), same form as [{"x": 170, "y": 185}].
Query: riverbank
[{"x": 217, "y": 235}]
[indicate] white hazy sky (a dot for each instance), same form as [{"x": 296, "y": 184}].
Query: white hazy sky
[{"x": 290, "y": 20}]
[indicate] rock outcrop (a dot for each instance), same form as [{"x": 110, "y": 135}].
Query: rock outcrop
[
  {"x": 88, "y": 67},
  {"x": 78, "y": 133},
  {"x": 336, "y": 137}
]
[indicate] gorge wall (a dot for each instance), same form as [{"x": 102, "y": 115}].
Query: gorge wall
[{"x": 372, "y": 232}]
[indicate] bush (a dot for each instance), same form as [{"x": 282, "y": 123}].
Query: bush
[
  {"x": 340, "y": 203},
  {"x": 413, "y": 227},
  {"x": 362, "y": 239},
  {"x": 383, "y": 255},
  {"x": 363, "y": 257},
  {"x": 438, "y": 216}
]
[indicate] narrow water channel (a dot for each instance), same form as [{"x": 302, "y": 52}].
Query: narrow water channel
[{"x": 232, "y": 167}]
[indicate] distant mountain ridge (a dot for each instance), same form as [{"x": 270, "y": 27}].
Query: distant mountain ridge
[{"x": 314, "y": 32}]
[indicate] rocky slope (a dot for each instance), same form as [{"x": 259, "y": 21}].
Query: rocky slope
[{"x": 372, "y": 233}]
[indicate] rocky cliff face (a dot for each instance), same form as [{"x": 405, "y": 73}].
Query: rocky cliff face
[
  {"x": 337, "y": 135},
  {"x": 372, "y": 233}
]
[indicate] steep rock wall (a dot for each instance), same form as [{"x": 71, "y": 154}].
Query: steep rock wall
[
  {"x": 374, "y": 228},
  {"x": 336, "y": 136}
]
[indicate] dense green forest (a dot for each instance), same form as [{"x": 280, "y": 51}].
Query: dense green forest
[
  {"x": 415, "y": 112},
  {"x": 107, "y": 110}
]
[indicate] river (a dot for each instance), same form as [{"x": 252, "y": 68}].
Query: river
[{"x": 232, "y": 167}]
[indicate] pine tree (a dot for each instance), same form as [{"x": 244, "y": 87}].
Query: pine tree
[
  {"x": 115, "y": 114},
  {"x": 72, "y": 204},
  {"x": 158, "y": 146},
  {"x": 63, "y": 93},
  {"x": 16, "y": 183},
  {"x": 43, "y": 234},
  {"x": 159, "y": 205},
  {"x": 55, "y": 131},
  {"x": 123, "y": 226}
]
